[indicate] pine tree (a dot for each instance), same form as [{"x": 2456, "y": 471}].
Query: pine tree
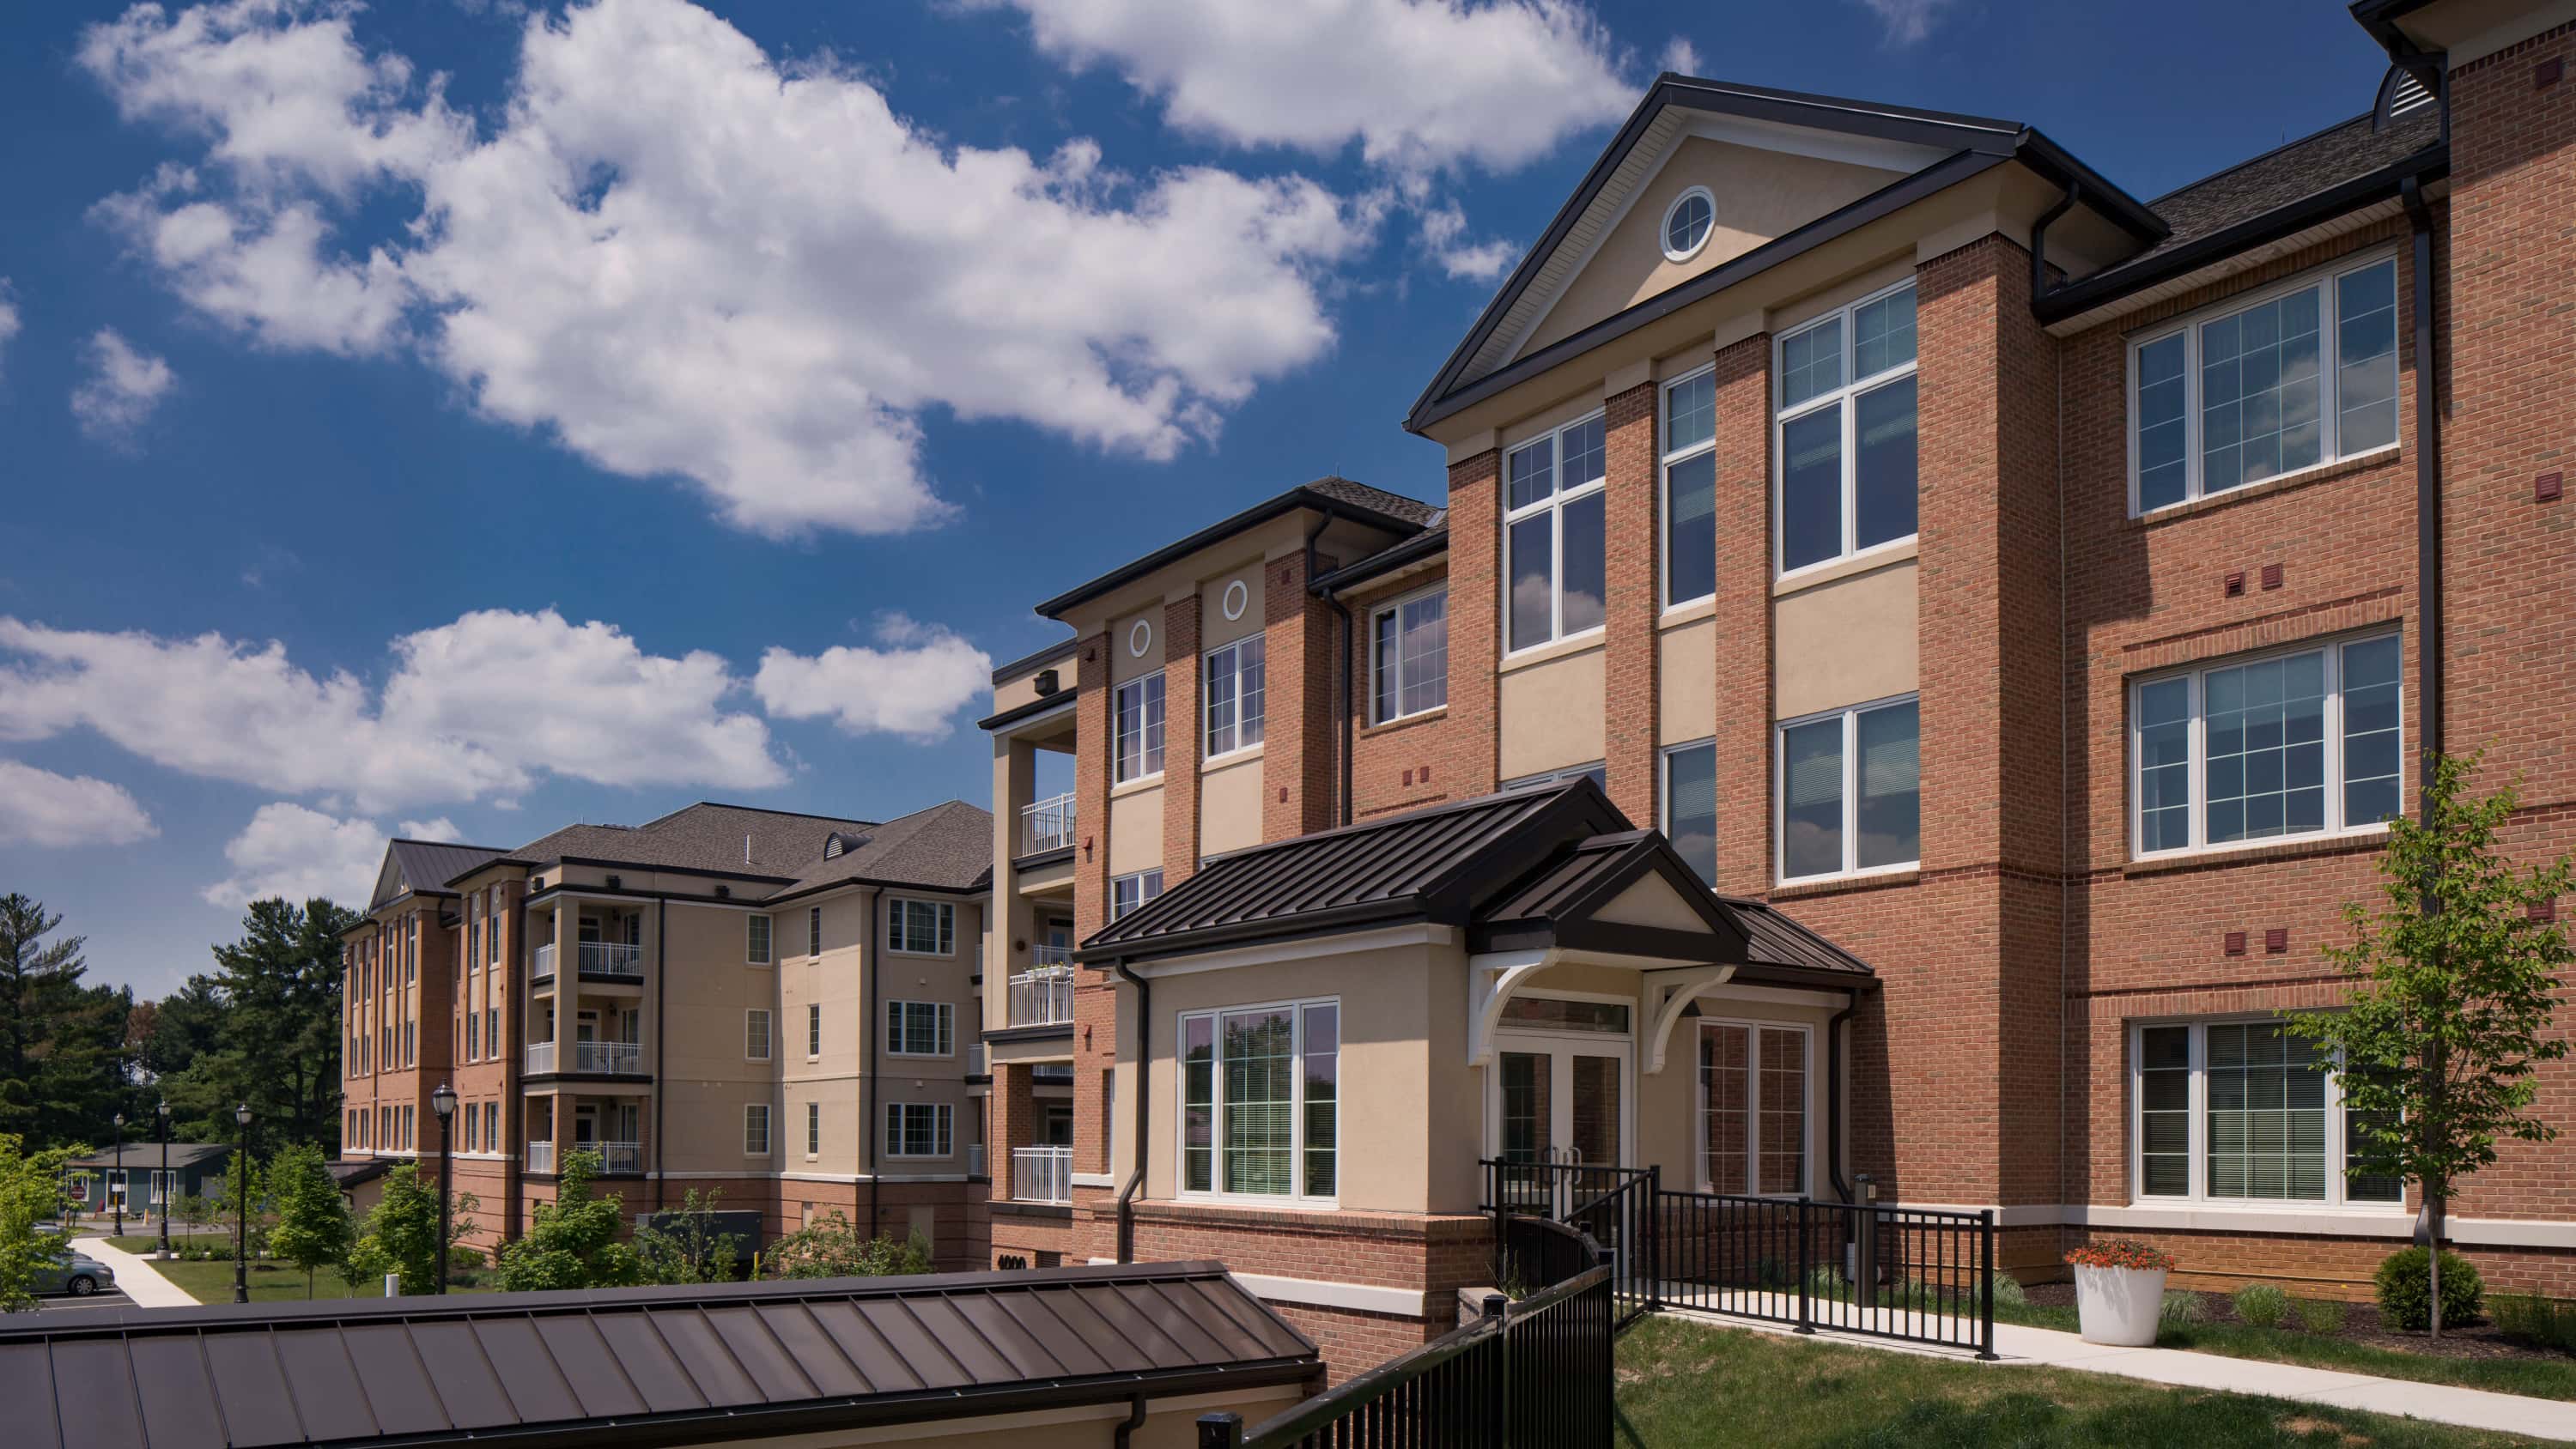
[
  {"x": 313, "y": 1227},
  {"x": 61, "y": 1068}
]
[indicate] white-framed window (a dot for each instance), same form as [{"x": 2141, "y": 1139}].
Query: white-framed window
[
  {"x": 492, "y": 1124},
  {"x": 1598, "y": 772},
  {"x": 921, "y": 1028},
  {"x": 1409, "y": 655},
  {"x": 755, "y": 1034},
  {"x": 921, "y": 928},
  {"x": 755, "y": 1129},
  {"x": 814, "y": 931},
  {"x": 492, "y": 937},
  {"x": 2236, "y": 1112},
  {"x": 1131, "y": 892},
  {"x": 1753, "y": 1086},
  {"x": 1846, "y": 432},
  {"x": 1690, "y": 805},
  {"x": 2301, "y": 741},
  {"x": 755, "y": 948},
  {"x": 1136, "y": 728},
  {"x": 1553, "y": 535},
  {"x": 1851, "y": 791},
  {"x": 813, "y": 1129},
  {"x": 813, "y": 1030},
  {"x": 1690, "y": 487},
  {"x": 1260, "y": 1101},
  {"x": 1687, "y": 223},
  {"x": 473, "y": 1035},
  {"x": 2268, "y": 383},
  {"x": 919, "y": 1129},
  {"x": 1235, "y": 686}
]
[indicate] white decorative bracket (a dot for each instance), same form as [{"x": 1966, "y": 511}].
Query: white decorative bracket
[
  {"x": 1661, "y": 995},
  {"x": 1491, "y": 980}
]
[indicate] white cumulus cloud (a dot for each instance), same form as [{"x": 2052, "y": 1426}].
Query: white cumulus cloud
[
  {"x": 680, "y": 257},
  {"x": 909, "y": 686},
  {"x": 442, "y": 829},
  {"x": 122, "y": 387},
  {"x": 288, "y": 850},
  {"x": 1908, "y": 22},
  {"x": 39, "y": 807},
  {"x": 9, "y": 320}
]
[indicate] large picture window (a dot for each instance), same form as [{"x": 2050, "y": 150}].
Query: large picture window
[
  {"x": 1136, "y": 728},
  {"x": 921, "y": 928},
  {"x": 755, "y": 1129},
  {"x": 1690, "y": 488},
  {"x": 2259, "y": 386},
  {"x": 1753, "y": 1108},
  {"x": 919, "y": 1129},
  {"x": 920, "y": 1028},
  {"x": 1234, "y": 696},
  {"x": 1851, "y": 797},
  {"x": 2236, "y": 1111},
  {"x": 2300, "y": 742},
  {"x": 1553, "y": 534},
  {"x": 1846, "y": 407},
  {"x": 756, "y": 940},
  {"x": 1690, "y": 805},
  {"x": 1260, "y": 1101},
  {"x": 1409, "y": 654}
]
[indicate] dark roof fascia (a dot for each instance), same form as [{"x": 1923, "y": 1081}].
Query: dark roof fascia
[
  {"x": 630, "y": 1078},
  {"x": 1764, "y": 973},
  {"x": 1428, "y": 542},
  {"x": 1609, "y": 938},
  {"x": 1047, "y": 1032},
  {"x": 1332, "y": 922},
  {"x": 716, "y": 871},
  {"x": 512, "y": 861},
  {"x": 2055, "y": 163},
  {"x": 1039, "y": 860},
  {"x": 2102, "y": 288},
  {"x": 1050, "y": 654},
  {"x": 1646, "y": 853},
  {"x": 1300, "y": 497},
  {"x": 1030, "y": 710},
  {"x": 624, "y": 894},
  {"x": 983, "y": 886},
  {"x": 2380, "y": 17},
  {"x": 1885, "y": 201}
]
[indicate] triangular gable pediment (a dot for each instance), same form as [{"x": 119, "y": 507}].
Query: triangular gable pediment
[
  {"x": 389, "y": 879},
  {"x": 1653, "y": 901}
]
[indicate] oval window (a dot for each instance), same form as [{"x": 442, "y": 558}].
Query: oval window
[
  {"x": 1139, "y": 637},
  {"x": 1687, "y": 225},
  {"x": 1237, "y": 599}
]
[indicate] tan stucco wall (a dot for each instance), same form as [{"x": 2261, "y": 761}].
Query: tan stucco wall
[
  {"x": 1136, "y": 830},
  {"x": 1230, "y": 804},
  {"x": 1845, "y": 642},
  {"x": 703, "y": 1079},
  {"x": 1124, "y": 662},
  {"x": 1686, "y": 682},
  {"x": 1215, "y": 628},
  {"x": 1551, "y": 714}
]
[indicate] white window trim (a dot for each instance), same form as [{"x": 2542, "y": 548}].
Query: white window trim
[
  {"x": 943, "y": 1125},
  {"x": 1664, "y": 782},
  {"x": 1549, "y": 779},
  {"x": 1296, "y": 1010},
  {"x": 1664, "y": 231},
  {"x": 769, "y": 941},
  {"x": 1142, "y": 900},
  {"x": 1554, "y": 502},
  {"x": 814, "y": 932},
  {"x": 813, "y": 1031},
  {"x": 756, "y": 1111},
  {"x": 813, "y": 1131},
  {"x": 1850, "y": 715},
  {"x": 1664, "y": 483},
  {"x": 947, "y": 917},
  {"x": 1393, "y": 606},
  {"x": 2334, "y": 1202},
  {"x": 1115, "y": 763},
  {"x": 1847, "y": 395},
  {"x": 947, "y": 1012},
  {"x": 2332, "y": 646},
  {"x": 2329, "y": 400},
  {"x": 1753, "y": 1107},
  {"x": 768, "y": 1034},
  {"x": 1207, "y": 676}
]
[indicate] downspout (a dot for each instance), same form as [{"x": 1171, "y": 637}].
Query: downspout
[
  {"x": 661, "y": 1065},
  {"x": 1144, "y": 1099},
  {"x": 1834, "y": 1092},
  {"x": 2428, "y": 569},
  {"x": 869, "y": 963},
  {"x": 1134, "y": 1421},
  {"x": 2039, "y": 240},
  {"x": 1341, "y": 662}
]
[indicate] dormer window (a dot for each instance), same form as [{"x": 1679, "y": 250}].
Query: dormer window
[{"x": 1692, "y": 216}]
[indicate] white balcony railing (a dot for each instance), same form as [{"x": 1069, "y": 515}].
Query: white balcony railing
[
  {"x": 1046, "y": 825},
  {"x": 607, "y": 1056},
  {"x": 1042, "y": 1174},
  {"x": 1043, "y": 997},
  {"x": 541, "y": 1157},
  {"x": 1046, "y": 954},
  {"x": 612, "y": 958},
  {"x": 619, "y": 1157},
  {"x": 541, "y": 1057},
  {"x": 975, "y": 1063},
  {"x": 975, "y": 1159},
  {"x": 544, "y": 969}
]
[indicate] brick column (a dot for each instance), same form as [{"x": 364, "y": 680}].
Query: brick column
[
  {"x": 1475, "y": 614},
  {"x": 1634, "y": 568},
  {"x": 1184, "y": 720},
  {"x": 1743, "y": 604},
  {"x": 1300, "y": 772},
  {"x": 1095, "y": 999}
]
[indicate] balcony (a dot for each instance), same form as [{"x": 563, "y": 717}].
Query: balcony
[
  {"x": 1043, "y": 997},
  {"x": 543, "y": 969},
  {"x": 609, "y": 960},
  {"x": 541, "y": 1057},
  {"x": 541, "y": 1157},
  {"x": 619, "y": 1159},
  {"x": 1042, "y": 1174},
  {"x": 608, "y": 1056},
  {"x": 1046, "y": 825}
]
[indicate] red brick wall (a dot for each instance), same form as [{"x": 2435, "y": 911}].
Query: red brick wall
[
  {"x": 1184, "y": 720},
  {"x": 1632, "y": 602},
  {"x": 1743, "y": 605},
  {"x": 1419, "y": 760},
  {"x": 1300, "y": 759}
]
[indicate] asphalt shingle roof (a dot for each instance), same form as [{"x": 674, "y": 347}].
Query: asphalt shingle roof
[{"x": 947, "y": 846}]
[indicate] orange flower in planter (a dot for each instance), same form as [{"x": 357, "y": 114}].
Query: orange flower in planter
[{"x": 2121, "y": 1253}]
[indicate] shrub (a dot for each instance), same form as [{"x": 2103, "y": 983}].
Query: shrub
[
  {"x": 2008, "y": 1292},
  {"x": 2319, "y": 1315},
  {"x": 2262, "y": 1305},
  {"x": 2405, "y": 1297},
  {"x": 2120, "y": 1253},
  {"x": 2181, "y": 1309},
  {"x": 1824, "y": 1282},
  {"x": 463, "y": 1259},
  {"x": 2535, "y": 1320}
]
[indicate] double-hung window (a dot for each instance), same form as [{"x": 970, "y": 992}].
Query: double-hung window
[
  {"x": 921, "y": 928},
  {"x": 755, "y": 1035},
  {"x": 1409, "y": 655},
  {"x": 756, "y": 940},
  {"x": 1130, "y": 892},
  {"x": 2237, "y": 1111},
  {"x": 1846, "y": 432},
  {"x": 1690, "y": 805},
  {"x": 1553, "y": 534},
  {"x": 813, "y": 1129},
  {"x": 813, "y": 1030},
  {"x": 1260, "y": 1094},
  {"x": 2294, "y": 376},
  {"x": 1234, "y": 693},
  {"x": 814, "y": 931},
  {"x": 1851, "y": 795},
  {"x": 919, "y": 1129},
  {"x": 1690, "y": 488},
  {"x": 1136, "y": 728},
  {"x": 1753, "y": 1108},
  {"x": 920, "y": 1028},
  {"x": 755, "y": 1129},
  {"x": 2300, "y": 742}
]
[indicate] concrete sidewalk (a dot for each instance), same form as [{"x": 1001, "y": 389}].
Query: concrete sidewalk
[
  {"x": 2435, "y": 1403},
  {"x": 136, "y": 1276}
]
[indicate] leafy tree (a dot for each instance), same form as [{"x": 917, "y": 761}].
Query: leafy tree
[
  {"x": 401, "y": 1234},
  {"x": 29, "y": 1184},
  {"x": 62, "y": 1072},
  {"x": 688, "y": 1250},
  {"x": 2439, "y": 1041},
  {"x": 246, "y": 1183},
  {"x": 313, "y": 1226},
  {"x": 574, "y": 1241},
  {"x": 830, "y": 1247}
]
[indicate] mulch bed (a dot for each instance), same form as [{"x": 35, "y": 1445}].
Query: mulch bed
[{"x": 2360, "y": 1325}]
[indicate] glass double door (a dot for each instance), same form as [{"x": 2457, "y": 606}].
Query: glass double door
[{"x": 1559, "y": 1101}]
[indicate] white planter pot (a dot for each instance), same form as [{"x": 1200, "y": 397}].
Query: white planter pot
[{"x": 2119, "y": 1306}]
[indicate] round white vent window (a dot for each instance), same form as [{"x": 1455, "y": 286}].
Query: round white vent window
[
  {"x": 1687, "y": 225},
  {"x": 1140, "y": 638},
  {"x": 1237, "y": 599}
]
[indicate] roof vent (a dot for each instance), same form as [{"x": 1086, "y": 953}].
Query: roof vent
[
  {"x": 2401, "y": 91},
  {"x": 840, "y": 843}
]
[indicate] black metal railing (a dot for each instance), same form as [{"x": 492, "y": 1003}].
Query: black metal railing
[{"x": 1524, "y": 1375}]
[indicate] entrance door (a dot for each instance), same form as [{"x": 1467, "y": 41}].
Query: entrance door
[{"x": 1558, "y": 1104}]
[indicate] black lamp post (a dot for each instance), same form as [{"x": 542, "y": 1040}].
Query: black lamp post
[
  {"x": 443, "y": 1102},
  {"x": 120, "y": 1174},
  {"x": 241, "y": 1209},
  {"x": 164, "y": 1113}
]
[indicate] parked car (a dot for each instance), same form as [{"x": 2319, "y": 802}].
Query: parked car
[{"x": 78, "y": 1275}]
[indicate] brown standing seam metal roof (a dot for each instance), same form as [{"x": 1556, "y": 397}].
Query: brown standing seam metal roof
[{"x": 637, "y": 1366}]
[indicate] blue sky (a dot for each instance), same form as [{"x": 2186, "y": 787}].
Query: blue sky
[{"x": 410, "y": 415}]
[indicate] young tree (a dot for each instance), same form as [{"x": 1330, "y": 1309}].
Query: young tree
[
  {"x": 690, "y": 1250},
  {"x": 401, "y": 1234},
  {"x": 29, "y": 1183},
  {"x": 2437, "y": 1043},
  {"x": 574, "y": 1241},
  {"x": 313, "y": 1226},
  {"x": 830, "y": 1247},
  {"x": 245, "y": 1185}
]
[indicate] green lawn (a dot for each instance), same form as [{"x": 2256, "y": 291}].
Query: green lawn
[
  {"x": 269, "y": 1283},
  {"x": 1684, "y": 1383}
]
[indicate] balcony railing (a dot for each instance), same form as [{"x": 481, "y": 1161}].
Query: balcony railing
[
  {"x": 544, "y": 969},
  {"x": 1042, "y": 1174},
  {"x": 975, "y": 1159},
  {"x": 612, "y": 958},
  {"x": 619, "y": 1157},
  {"x": 1047, "y": 954},
  {"x": 541, "y": 1157},
  {"x": 976, "y": 1066},
  {"x": 1046, "y": 825},
  {"x": 541, "y": 1057},
  {"x": 607, "y": 1056},
  {"x": 1043, "y": 997}
]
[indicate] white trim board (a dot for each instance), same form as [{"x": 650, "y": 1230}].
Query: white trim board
[
  {"x": 1320, "y": 1293},
  {"x": 2322, "y": 1222}
]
